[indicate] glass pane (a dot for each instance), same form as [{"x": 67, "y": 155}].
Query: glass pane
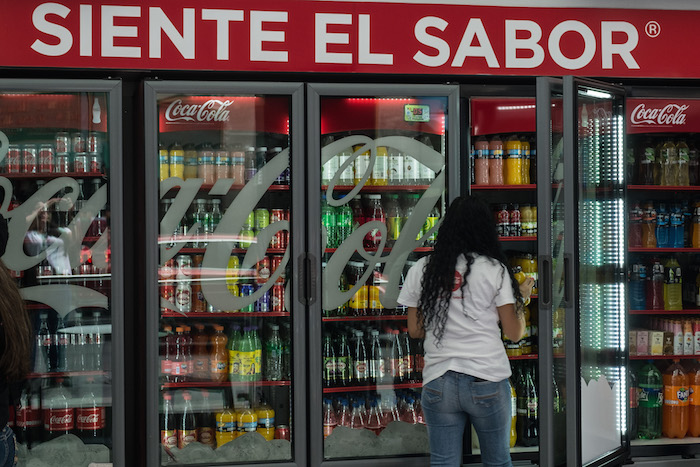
[
  {"x": 225, "y": 337},
  {"x": 601, "y": 270},
  {"x": 382, "y": 197},
  {"x": 504, "y": 173},
  {"x": 55, "y": 176}
]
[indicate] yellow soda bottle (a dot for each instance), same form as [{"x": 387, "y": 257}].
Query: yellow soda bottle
[
  {"x": 380, "y": 171},
  {"x": 177, "y": 161},
  {"x": 514, "y": 161},
  {"x": 361, "y": 165},
  {"x": 226, "y": 426},
  {"x": 247, "y": 419},
  {"x": 266, "y": 422},
  {"x": 163, "y": 161},
  {"x": 526, "y": 160}
]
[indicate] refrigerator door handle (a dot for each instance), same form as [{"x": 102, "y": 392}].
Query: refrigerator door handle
[
  {"x": 306, "y": 273},
  {"x": 545, "y": 286},
  {"x": 568, "y": 276}
]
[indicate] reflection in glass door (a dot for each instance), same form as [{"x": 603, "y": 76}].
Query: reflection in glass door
[
  {"x": 226, "y": 337},
  {"x": 382, "y": 194}
]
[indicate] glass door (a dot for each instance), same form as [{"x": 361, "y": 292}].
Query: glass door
[
  {"x": 225, "y": 322},
  {"x": 60, "y": 171},
  {"x": 594, "y": 159},
  {"x": 381, "y": 157}
]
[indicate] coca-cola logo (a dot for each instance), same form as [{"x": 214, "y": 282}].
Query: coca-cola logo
[
  {"x": 670, "y": 114},
  {"x": 213, "y": 110},
  {"x": 61, "y": 420}
]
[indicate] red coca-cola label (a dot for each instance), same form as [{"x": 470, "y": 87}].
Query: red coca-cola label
[
  {"x": 663, "y": 115},
  {"x": 28, "y": 417},
  {"x": 59, "y": 420},
  {"x": 91, "y": 418}
]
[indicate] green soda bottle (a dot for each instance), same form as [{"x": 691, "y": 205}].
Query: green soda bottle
[
  {"x": 257, "y": 354},
  {"x": 234, "y": 357}
]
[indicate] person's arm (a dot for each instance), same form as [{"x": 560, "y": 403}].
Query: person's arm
[
  {"x": 512, "y": 321},
  {"x": 415, "y": 326}
]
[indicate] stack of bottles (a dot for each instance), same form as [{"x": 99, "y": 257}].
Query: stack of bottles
[
  {"x": 525, "y": 425},
  {"x": 188, "y": 416},
  {"x": 664, "y": 225},
  {"x": 495, "y": 162},
  {"x": 664, "y": 162},
  {"x": 528, "y": 344},
  {"x": 666, "y": 404},
  {"x": 212, "y": 355},
  {"x": 338, "y": 223},
  {"x": 371, "y": 411},
  {"x": 391, "y": 166},
  {"x": 663, "y": 336},
  {"x": 656, "y": 285},
  {"x": 216, "y": 162},
  {"x": 367, "y": 356},
  {"x": 516, "y": 221}
]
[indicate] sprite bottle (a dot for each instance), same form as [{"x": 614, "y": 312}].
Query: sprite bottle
[
  {"x": 343, "y": 223},
  {"x": 328, "y": 223},
  {"x": 650, "y": 402}
]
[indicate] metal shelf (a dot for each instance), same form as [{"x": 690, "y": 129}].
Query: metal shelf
[
  {"x": 637, "y": 249},
  {"x": 224, "y": 314},
  {"x": 365, "y": 318},
  {"x": 662, "y": 188},
  {"x": 51, "y": 175},
  {"x": 235, "y": 251},
  {"x": 529, "y": 187},
  {"x": 420, "y": 249},
  {"x": 379, "y": 188},
  {"x": 531, "y": 356},
  {"x": 517, "y": 239},
  {"x": 373, "y": 387},
  {"x": 665, "y": 312},
  {"x": 224, "y": 384},
  {"x": 663, "y": 357},
  {"x": 66, "y": 374}
]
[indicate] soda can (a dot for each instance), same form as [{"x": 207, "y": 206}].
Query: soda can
[
  {"x": 46, "y": 158},
  {"x": 262, "y": 304},
  {"x": 77, "y": 143},
  {"x": 14, "y": 159},
  {"x": 262, "y": 219},
  {"x": 184, "y": 266},
  {"x": 62, "y": 141},
  {"x": 282, "y": 432},
  {"x": 183, "y": 296},
  {"x": 167, "y": 292},
  {"x": 80, "y": 163},
  {"x": 29, "y": 159},
  {"x": 62, "y": 163},
  {"x": 167, "y": 270},
  {"x": 94, "y": 142},
  {"x": 274, "y": 264},
  {"x": 262, "y": 270},
  {"x": 277, "y": 298},
  {"x": 94, "y": 163},
  {"x": 286, "y": 232},
  {"x": 246, "y": 290}
]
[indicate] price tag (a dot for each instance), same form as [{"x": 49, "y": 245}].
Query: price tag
[{"x": 416, "y": 113}]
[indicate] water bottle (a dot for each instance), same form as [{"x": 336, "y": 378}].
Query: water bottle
[{"x": 638, "y": 296}]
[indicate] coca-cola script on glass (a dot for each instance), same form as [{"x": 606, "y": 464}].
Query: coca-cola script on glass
[{"x": 213, "y": 110}]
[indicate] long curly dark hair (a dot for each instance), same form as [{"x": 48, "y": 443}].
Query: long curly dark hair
[{"x": 468, "y": 227}]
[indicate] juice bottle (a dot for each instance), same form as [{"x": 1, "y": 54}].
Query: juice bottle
[
  {"x": 650, "y": 402},
  {"x": 380, "y": 173},
  {"x": 361, "y": 165},
  {"x": 190, "y": 152},
  {"x": 529, "y": 266},
  {"x": 672, "y": 285},
  {"x": 514, "y": 161},
  {"x": 359, "y": 301},
  {"x": 669, "y": 160},
  {"x": 526, "y": 220},
  {"x": 177, "y": 160},
  {"x": 496, "y": 161},
  {"x": 219, "y": 357},
  {"x": 481, "y": 161},
  {"x": 514, "y": 414},
  {"x": 163, "y": 162},
  {"x": 694, "y": 400},
  {"x": 266, "y": 422},
  {"x": 683, "y": 163},
  {"x": 525, "y": 144},
  {"x": 649, "y": 226},
  {"x": 226, "y": 426},
  {"x": 247, "y": 419},
  {"x": 676, "y": 408},
  {"x": 635, "y": 226}
]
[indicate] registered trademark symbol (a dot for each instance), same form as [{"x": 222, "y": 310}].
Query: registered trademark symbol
[{"x": 653, "y": 29}]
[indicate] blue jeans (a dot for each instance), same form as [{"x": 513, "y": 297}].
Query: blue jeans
[
  {"x": 448, "y": 400},
  {"x": 7, "y": 447}
]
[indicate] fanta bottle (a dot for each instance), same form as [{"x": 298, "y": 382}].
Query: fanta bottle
[
  {"x": 219, "y": 357},
  {"x": 694, "y": 405},
  {"x": 674, "y": 422}
]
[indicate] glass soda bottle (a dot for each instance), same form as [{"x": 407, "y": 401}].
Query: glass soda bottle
[
  {"x": 343, "y": 361},
  {"x": 673, "y": 285},
  {"x": 360, "y": 363},
  {"x": 329, "y": 362},
  {"x": 674, "y": 422},
  {"x": 650, "y": 402}
]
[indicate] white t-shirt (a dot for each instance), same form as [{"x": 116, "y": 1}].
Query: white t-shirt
[{"x": 472, "y": 341}]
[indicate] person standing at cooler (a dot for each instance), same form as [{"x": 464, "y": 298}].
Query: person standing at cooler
[
  {"x": 15, "y": 338},
  {"x": 456, "y": 297}
]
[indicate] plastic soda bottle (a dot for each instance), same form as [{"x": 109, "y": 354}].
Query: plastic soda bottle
[
  {"x": 633, "y": 414},
  {"x": 328, "y": 223},
  {"x": 200, "y": 356},
  {"x": 168, "y": 426},
  {"x": 496, "y": 161},
  {"x": 514, "y": 161},
  {"x": 662, "y": 227},
  {"x": 672, "y": 285},
  {"x": 163, "y": 162},
  {"x": 266, "y": 422},
  {"x": 696, "y": 227},
  {"x": 514, "y": 414},
  {"x": 234, "y": 358},
  {"x": 343, "y": 223},
  {"x": 676, "y": 408},
  {"x": 380, "y": 175},
  {"x": 669, "y": 164},
  {"x": 481, "y": 161},
  {"x": 694, "y": 401},
  {"x": 330, "y": 421},
  {"x": 527, "y": 155},
  {"x": 374, "y": 418},
  {"x": 177, "y": 160},
  {"x": 247, "y": 419},
  {"x": 394, "y": 219},
  {"x": 219, "y": 356},
  {"x": 650, "y": 402},
  {"x": 226, "y": 426},
  {"x": 187, "y": 425},
  {"x": 637, "y": 284},
  {"x": 361, "y": 165},
  {"x": 683, "y": 163},
  {"x": 273, "y": 355},
  {"x": 635, "y": 226},
  {"x": 649, "y": 226}
]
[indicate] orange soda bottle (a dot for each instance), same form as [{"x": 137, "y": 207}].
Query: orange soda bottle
[
  {"x": 514, "y": 161},
  {"x": 675, "y": 414},
  {"x": 694, "y": 416},
  {"x": 218, "y": 358}
]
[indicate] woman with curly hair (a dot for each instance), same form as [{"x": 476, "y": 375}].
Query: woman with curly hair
[
  {"x": 456, "y": 298},
  {"x": 15, "y": 341}
]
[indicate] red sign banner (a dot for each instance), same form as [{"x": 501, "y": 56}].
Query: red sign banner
[
  {"x": 663, "y": 115},
  {"x": 348, "y": 37}
]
